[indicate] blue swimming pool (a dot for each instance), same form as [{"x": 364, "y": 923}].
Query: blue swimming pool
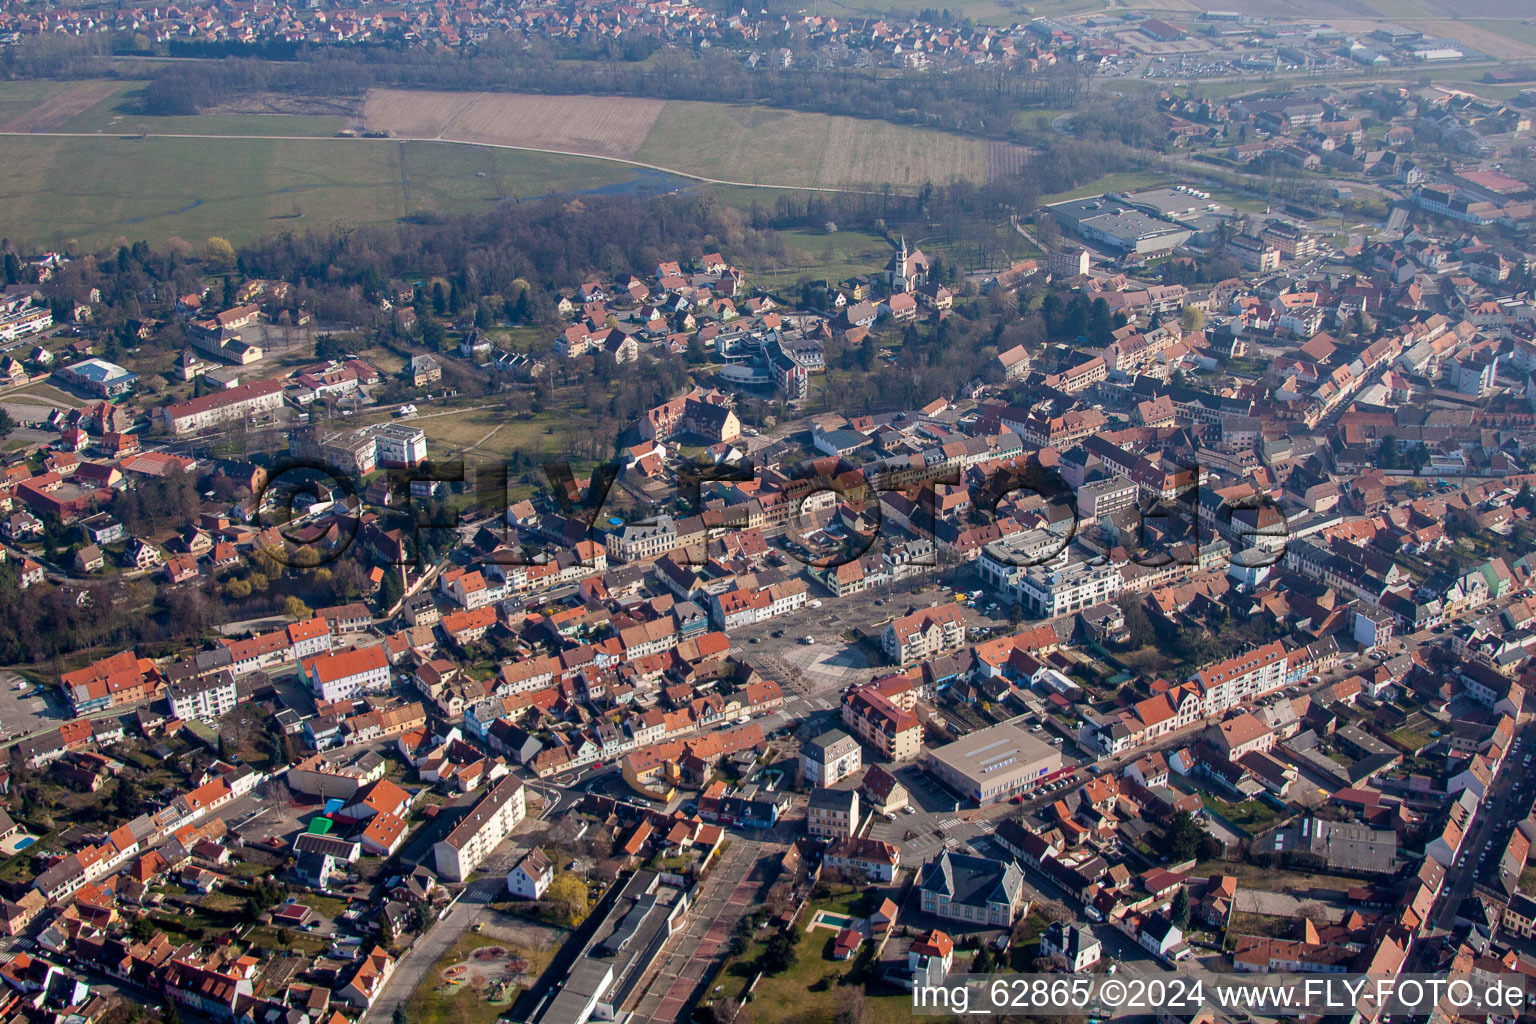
[{"x": 22, "y": 844}]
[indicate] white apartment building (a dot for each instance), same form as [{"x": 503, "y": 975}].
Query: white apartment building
[
  {"x": 529, "y": 879},
  {"x": 1047, "y": 593},
  {"x": 21, "y": 322},
  {"x": 202, "y": 700},
  {"x": 481, "y": 831},
  {"x": 642, "y": 540},
  {"x": 1242, "y": 677},
  {"x": 830, "y": 758},
  {"x": 401, "y": 445},
  {"x": 345, "y": 674},
  {"x": 471, "y": 589},
  {"x": 1099, "y": 498},
  {"x": 309, "y": 638},
  {"x": 237, "y": 403},
  {"x": 924, "y": 634}
]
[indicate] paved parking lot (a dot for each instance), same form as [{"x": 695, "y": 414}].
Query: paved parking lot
[
  {"x": 22, "y": 714},
  {"x": 257, "y": 823}
]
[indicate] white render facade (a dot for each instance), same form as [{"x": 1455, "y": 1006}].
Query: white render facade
[
  {"x": 349, "y": 673},
  {"x": 830, "y": 758},
  {"x": 482, "y": 830},
  {"x": 1048, "y": 593},
  {"x": 203, "y": 700}
]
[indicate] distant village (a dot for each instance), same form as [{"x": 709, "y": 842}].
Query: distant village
[{"x": 1192, "y": 633}]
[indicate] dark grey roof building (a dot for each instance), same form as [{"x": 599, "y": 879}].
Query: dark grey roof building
[{"x": 974, "y": 889}]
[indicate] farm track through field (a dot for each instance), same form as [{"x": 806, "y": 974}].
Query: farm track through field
[
  {"x": 457, "y": 116},
  {"x": 678, "y": 172},
  {"x": 59, "y": 108}
]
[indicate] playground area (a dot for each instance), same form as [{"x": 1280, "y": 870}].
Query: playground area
[
  {"x": 479, "y": 978},
  {"x": 487, "y": 968}
]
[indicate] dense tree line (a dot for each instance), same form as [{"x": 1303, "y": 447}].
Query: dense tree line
[
  {"x": 542, "y": 246},
  {"x": 186, "y": 88},
  {"x": 157, "y": 502},
  {"x": 56, "y": 56},
  {"x": 980, "y": 100},
  {"x": 44, "y": 623}
]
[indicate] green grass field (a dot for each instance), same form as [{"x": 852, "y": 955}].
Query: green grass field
[
  {"x": 46, "y": 393},
  {"x": 481, "y": 431},
  {"x": 488, "y": 433},
  {"x": 98, "y": 189},
  {"x": 1109, "y": 183},
  {"x": 809, "y": 992},
  {"x": 131, "y": 179},
  {"x": 19, "y": 97},
  {"x": 117, "y": 114},
  {"x": 761, "y": 145},
  {"x": 314, "y": 126},
  {"x": 831, "y": 257},
  {"x": 106, "y": 113}
]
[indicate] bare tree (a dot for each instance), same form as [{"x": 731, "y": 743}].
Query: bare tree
[
  {"x": 1053, "y": 911},
  {"x": 1053, "y": 964},
  {"x": 278, "y": 795},
  {"x": 1314, "y": 912},
  {"x": 851, "y": 1006}
]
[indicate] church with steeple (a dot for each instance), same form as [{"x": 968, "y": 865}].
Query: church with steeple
[{"x": 907, "y": 271}]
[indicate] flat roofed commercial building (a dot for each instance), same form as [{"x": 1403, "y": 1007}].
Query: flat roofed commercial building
[
  {"x": 1133, "y": 231},
  {"x": 1116, "y": 225},
  {"x": 632, "y": 931},
  {"x": 1336, "y": 845},
  {"x": 98, "y": 377},
  {"x": 992, "y": 764},
  {"x": 1188, "y": 207}
]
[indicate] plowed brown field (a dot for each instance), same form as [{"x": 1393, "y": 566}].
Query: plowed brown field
[{"x": 596, "y": 125}]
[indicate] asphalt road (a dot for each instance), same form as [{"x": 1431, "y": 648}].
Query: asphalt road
[{"x": 1490, "y": 829}]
